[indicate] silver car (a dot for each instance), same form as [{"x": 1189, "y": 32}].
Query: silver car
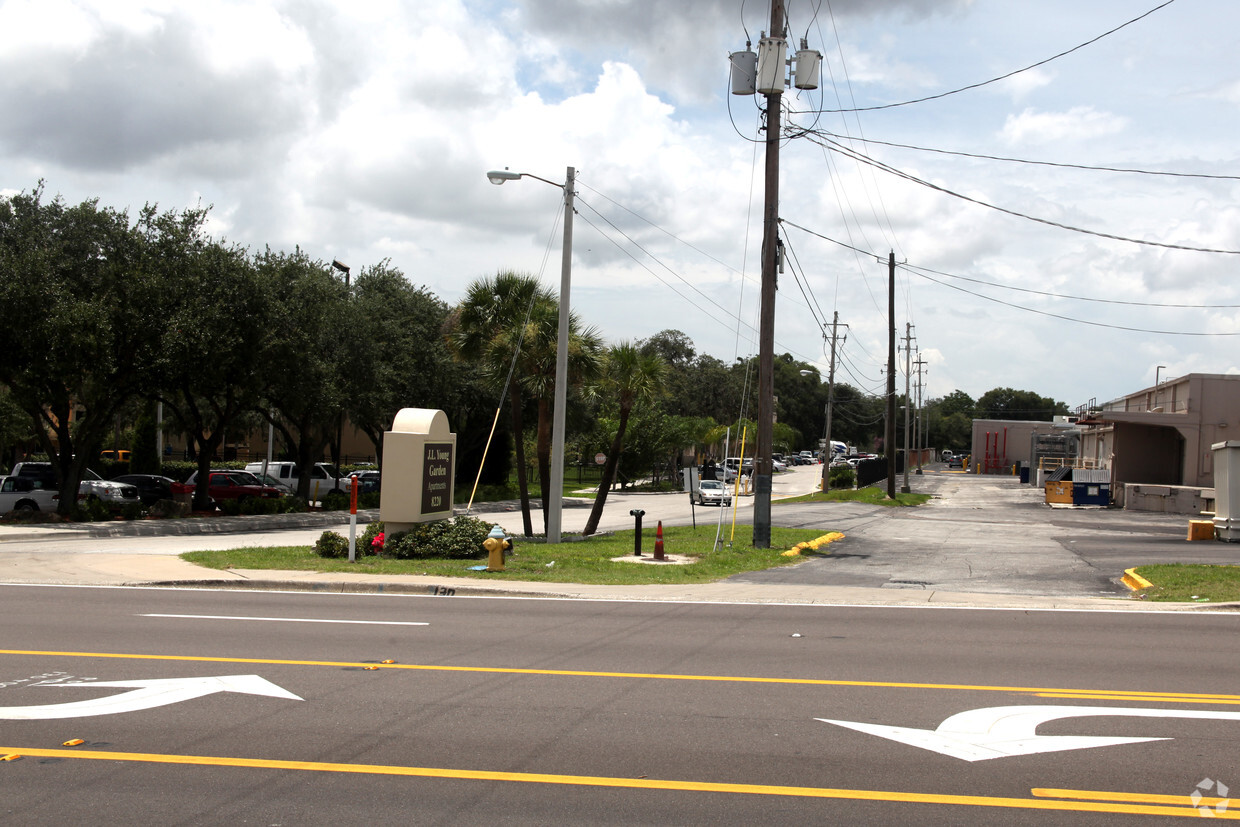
[{"x": 713, "y": 492}]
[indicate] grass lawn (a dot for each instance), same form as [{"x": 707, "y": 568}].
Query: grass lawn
[
  {"x": 1181, "y": 582},
  {"x": 875, "y": 496},
  {"x": 585, "y": 561}
]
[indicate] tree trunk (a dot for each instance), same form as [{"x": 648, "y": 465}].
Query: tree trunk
[
  {"x": 544, "y": 458},
  {"x": 523, "y": 484},
  {"x": 609, "y": 475}
]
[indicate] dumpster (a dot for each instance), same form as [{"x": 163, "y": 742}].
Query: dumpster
[
  {"x": 1059, "y": 491},
  {"x": 1024, "y": 473},
  {"x": 1091, "y": 493}
]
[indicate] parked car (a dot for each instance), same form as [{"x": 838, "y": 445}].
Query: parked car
[
  {"x": 957, "y": 461},
  {"x": 151, "y": 487},
  {"x": 93, "y": 486},
  {"x": 267, "y": 479},
  {"x": 227, "y": 484},
  {"x": 321, "y": 478},
  {"x": 714, "y": 493},
  {"x": 27, "y": 495},
  {"x": 808, "y": 457},
  {"x": 367, "y": 481},
  {"x": 778, "y": 465}
]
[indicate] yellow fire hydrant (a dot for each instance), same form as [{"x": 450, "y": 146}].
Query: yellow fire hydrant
[{"x": 495, "y": 544}]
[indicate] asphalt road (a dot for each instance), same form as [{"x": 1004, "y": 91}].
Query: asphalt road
[
  {"x": 986, "y": 534},
  {"x": 520, "y": 711}
]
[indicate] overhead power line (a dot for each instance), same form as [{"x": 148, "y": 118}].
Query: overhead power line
[
  {"x": 922, "y": 273},
  {"x": 1011, "y": 74},
  {"x": 852, "y": 153},
  {"x": 1057, "y": 164}
]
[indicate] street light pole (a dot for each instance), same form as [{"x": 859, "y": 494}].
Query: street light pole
[
  {"x": 344, "y": 268},
  {"x": 555, "y": 497}
]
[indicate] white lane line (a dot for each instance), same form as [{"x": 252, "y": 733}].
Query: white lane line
[{"x": 295, "y": 620}]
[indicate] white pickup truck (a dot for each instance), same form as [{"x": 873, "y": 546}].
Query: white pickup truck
[
  {"x": 26, "y": 494},
  {"x": 115, "y": 494}
]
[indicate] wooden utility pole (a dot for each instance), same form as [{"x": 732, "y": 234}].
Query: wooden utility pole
[
  {"x": 889, "y": 437},
  {"x": 919, "y": 432},
  {"x": 766, "y": 321},
  {"x": 908, "y": 407},
  {"x": 828, "y": 453}
]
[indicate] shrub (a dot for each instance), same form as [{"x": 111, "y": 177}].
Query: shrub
[
  {"x": 93, "y": 510},
  {"x": 334, "y": 501},
  {"x": 293, "y": 505},
  {"x": 230, "y": 508},
  {"x": 132, "y": 511},
  {"x": 262, "y": 505},
  {"x": 843, "y": 478},
  {"x": 367, "y": 542},
  {"x": 456, "y": 539},
  {"x": 331, "y": 544}
]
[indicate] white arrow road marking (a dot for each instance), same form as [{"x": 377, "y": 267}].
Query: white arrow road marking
[
  {"x": 1003, "y": 731},
  {"x": 144, "y": 694}
]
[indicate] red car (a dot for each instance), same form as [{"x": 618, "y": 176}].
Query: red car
[{"x": 231, "y": 485}]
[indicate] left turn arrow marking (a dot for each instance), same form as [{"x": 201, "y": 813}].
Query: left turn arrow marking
[
  {"x": 144, "y": 694},
  {"x": 1005, "y": 731}
]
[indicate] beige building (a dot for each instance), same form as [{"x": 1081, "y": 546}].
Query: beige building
[
  {"x": 1001, "y": 446},
  {"x": 1162, "y": 435}
]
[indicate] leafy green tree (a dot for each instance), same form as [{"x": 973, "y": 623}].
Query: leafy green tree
[
  {"x": 956, "y": 402},
  {"x": 16, "y": 435},
  {"x": 707, "y": 387},
  {"x": 630, "y": 377},
  {"x": 857, "y": 418},
  {"x": 673, "y": 346},
  {"x": 80, "y": 320},
  {"x": 1008, "y": 403},
  {"x": 305, "y": 366},
  {"x": 396, "y": 353},
  {"x": 214, "y": 365}
]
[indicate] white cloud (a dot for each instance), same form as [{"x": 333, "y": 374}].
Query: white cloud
[
  {"x": 1079, "y": 122},
  {"x": 361, "y": 131}
]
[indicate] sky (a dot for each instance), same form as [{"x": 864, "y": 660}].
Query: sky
[{"x": 1039, "y": 222}]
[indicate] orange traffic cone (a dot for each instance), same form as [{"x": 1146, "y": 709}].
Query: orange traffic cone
[{"x": 658, "y": 542}]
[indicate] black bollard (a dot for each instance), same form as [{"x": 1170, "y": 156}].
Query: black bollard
[{"x": 637, "y": 538}]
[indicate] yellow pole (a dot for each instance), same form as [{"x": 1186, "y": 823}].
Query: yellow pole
[
  {"x": 485, "y": 449},
  {"x": 736, "y": 484}
]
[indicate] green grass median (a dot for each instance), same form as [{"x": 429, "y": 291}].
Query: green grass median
[
  {"x": 1191, "y": 583},
  {"x": 870, "y": 494},
  {"x": 591, "y": 560}
]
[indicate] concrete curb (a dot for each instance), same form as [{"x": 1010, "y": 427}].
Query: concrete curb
[{"x": 1135, "y": 581}]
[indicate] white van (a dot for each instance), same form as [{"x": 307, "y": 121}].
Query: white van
[
  {"x": 732, "y": 464},
  {"x": 286, "y": 473}
]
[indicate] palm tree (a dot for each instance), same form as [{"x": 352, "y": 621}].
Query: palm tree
[
  {"x": 508, "y": 325},
  {"x": 488, "y": 327},
  {"x": 585, "y": 356},
  {"x": 632, "y": 377}
]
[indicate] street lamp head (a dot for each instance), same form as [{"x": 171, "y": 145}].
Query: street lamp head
[
  {"x": 809, "y": 373},
  {"x": 344, "y": 268},
  {"x": 499, "y": 176}
]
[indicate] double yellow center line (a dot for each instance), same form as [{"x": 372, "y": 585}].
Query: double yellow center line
[{"x": 1041, "y": 799}]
